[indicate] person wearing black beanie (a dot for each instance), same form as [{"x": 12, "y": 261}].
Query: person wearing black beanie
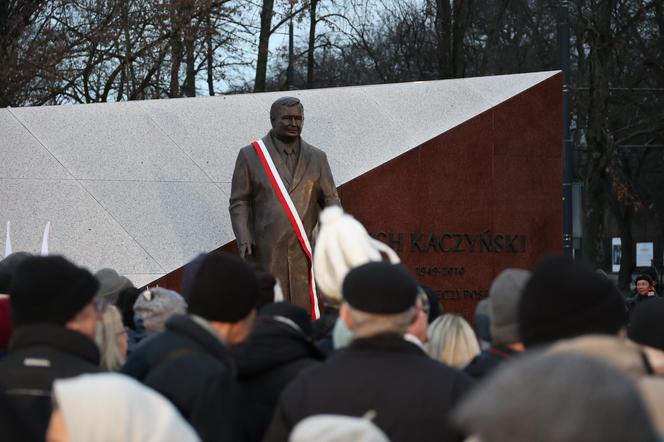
[
  {"x": 646, "y": 325},
  {"x": 564, "y": 299},
  {"x": 223, "y": 292},
  {"x": 51, "y": 290},
  {"x": 381, "y": 370},
  {"x": 277, "y": 351},
  {"x": 646, "y": 328},
  {"x": 55, "y": 319}
]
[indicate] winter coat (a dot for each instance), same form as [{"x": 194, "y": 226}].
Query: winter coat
[
  {"x": 193, "y": 369},
  {"x": 632, "y": 302},
  {"x": 273, "y": 356},
  {"x": 323, "y": 328},
  {"x": 488, "y": 361},
  {"x": 628, "y": 358},
  {"x": 38, "y": 354},
  {"x": 410, "y": 393}
]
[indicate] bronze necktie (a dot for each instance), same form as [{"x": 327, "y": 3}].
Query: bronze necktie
[{"x": 291, "y": 160}]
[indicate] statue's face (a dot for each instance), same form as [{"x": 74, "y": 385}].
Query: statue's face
[{"x": 288, "y": 122}]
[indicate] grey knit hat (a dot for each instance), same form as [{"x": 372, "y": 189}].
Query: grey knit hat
[
  {"x": 111, "y": 284},
  {"x": 504, "y": 296},
  {"x": 153, "y": 308}
]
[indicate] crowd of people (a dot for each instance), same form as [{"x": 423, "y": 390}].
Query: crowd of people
[{"x": 556, "y": 354}]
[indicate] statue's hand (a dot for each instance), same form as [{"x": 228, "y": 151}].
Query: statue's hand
[{"x": 245, "y": 250}]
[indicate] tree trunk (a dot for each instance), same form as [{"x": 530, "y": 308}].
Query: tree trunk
[
  {"x": 176, "y": 54},
  {"x": 176, "y": 61},
  {"x": 263, "y": 45},
  {"x": 128, "y": 73},
  {"x": 444, "y": 36},
  {"x": 190, "y": 78},
  {"x": 595, "y": 176},
  {"x": 462, "y": 18},
  {"x": 312, "y": 43},
  {"x": 210, "y": 54}
]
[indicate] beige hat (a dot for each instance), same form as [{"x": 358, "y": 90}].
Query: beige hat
[{"x": 334, "y": 428}]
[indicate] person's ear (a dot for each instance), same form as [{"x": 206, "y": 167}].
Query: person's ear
[{"x": 344, "y": 314}]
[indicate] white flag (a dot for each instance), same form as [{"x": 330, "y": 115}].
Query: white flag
[
  {"x": 8, "y": 242},
  {"x": 44, "y": 250}
]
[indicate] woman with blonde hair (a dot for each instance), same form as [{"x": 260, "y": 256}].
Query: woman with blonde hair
[
  {"x": 111, "y": 338},
  {"x": 452, "y": 341}
]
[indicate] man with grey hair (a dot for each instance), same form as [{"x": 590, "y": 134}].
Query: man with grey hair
[
  {"x": 264, "y": 222},
  {"x": 380, "y": 372}
]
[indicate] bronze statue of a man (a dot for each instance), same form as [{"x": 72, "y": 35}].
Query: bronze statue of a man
[{"x": 262, "y": 227}]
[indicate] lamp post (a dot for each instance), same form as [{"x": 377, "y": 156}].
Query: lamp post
[
  {"x": 291, "y": 56},
  {"x": 563, "y": 45}
]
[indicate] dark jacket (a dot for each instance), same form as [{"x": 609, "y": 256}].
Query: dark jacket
[
  {"x": 488, "y": 361},
  {"x": 323, "y": 329},
  {"x": 39, "y": 354},
  {"x": 193, "y": 369},
  {"x": 274, "y": 355},
  {"x": 411, "y": 394},
  {"x": 632, "y": 302}
]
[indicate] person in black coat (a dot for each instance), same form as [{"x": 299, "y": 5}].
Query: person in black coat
[
  {"x": 54, "y": 319},
  {"x": 190, "y": 363},
  {"x": 380, "y": 372},
  {"x": 278, "y": 349},
  {"x": 502, "y": 307}
]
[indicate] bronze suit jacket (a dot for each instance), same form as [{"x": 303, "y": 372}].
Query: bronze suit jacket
[{"x": 259, "y": 219}]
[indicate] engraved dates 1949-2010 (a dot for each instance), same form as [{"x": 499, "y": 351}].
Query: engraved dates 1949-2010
[{"x": 439, "y": 271}]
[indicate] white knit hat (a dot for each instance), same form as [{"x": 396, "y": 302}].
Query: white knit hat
[
  {"x": 109, "y": 407},
  {"x": 334, "y": 428},
  {"x": 343, "y": 244}
]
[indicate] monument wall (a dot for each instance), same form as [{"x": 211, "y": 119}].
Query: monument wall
[
  {"x": 462, "y": 175},
  {"x": 479, "y": 198}
]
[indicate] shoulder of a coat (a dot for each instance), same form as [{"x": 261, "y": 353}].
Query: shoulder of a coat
[{"x": 314, "y": 150}]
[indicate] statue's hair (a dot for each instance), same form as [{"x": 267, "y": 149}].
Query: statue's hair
[{"x": 284, "y": 102}]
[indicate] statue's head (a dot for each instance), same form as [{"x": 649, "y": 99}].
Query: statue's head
[{"x": 287, "y": 118}]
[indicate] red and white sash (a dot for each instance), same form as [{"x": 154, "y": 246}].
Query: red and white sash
[{"x": 293, "y": 217}]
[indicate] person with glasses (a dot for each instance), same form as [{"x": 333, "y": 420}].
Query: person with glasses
[{"x": 417, "y": 331}]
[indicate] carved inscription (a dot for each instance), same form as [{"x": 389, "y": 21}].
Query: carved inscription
[{"x": 446, "y": 242}]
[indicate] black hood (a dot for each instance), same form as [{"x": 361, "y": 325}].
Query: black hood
[{"x": 272, "y": 344}]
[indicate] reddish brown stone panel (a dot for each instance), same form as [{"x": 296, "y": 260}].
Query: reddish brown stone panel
[{"x": 496, "y": 177}]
